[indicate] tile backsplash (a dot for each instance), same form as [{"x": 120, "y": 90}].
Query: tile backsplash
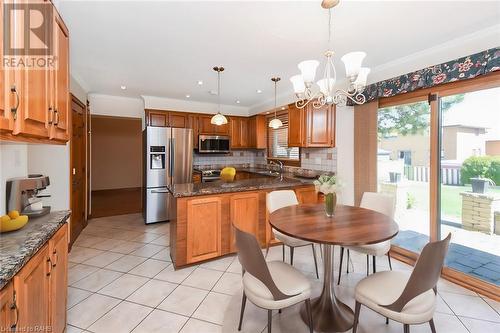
[{"x": 322, "y": 159}]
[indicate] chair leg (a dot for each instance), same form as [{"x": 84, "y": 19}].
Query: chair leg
[
  {"x": 283, "y": 250},
  {"x": 387, "y": 320},
  {"x": 309, "y": 315},
  {"x": 315, "y": 261},
  {"x": 357, "y": 309},
  {"x": 269, "y": 320},
  {"x": 367, "y": 265},
  {"x": 433, "y": 328},
  {"x": 406, "y": 328},
  {"x": 348, "y": 260},
  {"x": 374, "y": 264},
  {"x": 389, "y": 259},
  {"x": 267, "y": 250},
  {"x": 243, "y": 303},
  {"x": 291, "y": 254},
  {"x": 340, "y": 265}
]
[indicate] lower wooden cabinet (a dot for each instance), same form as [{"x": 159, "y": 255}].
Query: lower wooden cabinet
[
  {"x": 307, "y": 195},
  {"x": 203, "y": 237},
  {"x": 38, "y": 292},
  {"x": 7, "y": 310},
  {"x": 244, "y": 215}
]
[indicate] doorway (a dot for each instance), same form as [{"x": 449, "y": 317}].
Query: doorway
[{"x": 78, "y": 167}]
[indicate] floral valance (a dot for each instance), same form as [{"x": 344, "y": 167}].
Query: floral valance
[{"x": 460, "y": 69}]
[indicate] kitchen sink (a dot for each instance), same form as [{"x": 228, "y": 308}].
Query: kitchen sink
[{"x": 269, "y": 173}]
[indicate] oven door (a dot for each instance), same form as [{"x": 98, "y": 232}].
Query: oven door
[{"x": 213, "y": 144}]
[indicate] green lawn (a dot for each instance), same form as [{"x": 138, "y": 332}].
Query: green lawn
[{"x": 451, "y": 201}]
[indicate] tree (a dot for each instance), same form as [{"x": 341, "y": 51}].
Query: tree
[{"x": 410, "y": 119}]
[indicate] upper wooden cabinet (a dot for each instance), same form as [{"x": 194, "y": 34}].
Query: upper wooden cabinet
[
  {"x": 257, "y": 132},
  {"x": 311, "y": 127},
  {"x": 156, "y": 118},
  {"x": 178, "y": 119},
  {"x": 206, "y": 127},
  {"x": 34, "y": 102},
  {"x": 239, "y": 132}
]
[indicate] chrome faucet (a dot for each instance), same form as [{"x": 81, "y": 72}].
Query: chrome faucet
[{"x": 280, "y": 164}]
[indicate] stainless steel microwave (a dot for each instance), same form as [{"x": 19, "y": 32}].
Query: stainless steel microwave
[{"x": 213, "y": 144}]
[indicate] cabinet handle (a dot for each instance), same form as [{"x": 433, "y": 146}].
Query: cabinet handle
[
  {"x": 51, "y": 115},
  {"x": 50, "y": 266},
  {"x": 16, "y": 309},
  {"x": 56, "y": 258},
  {"x": 14, "y": 109},
  {"x": 56, "y": 113}
]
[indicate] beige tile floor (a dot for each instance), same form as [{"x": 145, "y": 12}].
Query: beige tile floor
[{"x": 121, "y": 280}]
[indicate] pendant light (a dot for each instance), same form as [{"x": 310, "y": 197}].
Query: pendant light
[
  {"x": 275, "y": 123},
  {"x": 218, "y": 119}
]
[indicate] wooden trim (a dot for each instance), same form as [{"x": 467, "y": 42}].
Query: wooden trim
[
  {"x": 435, "y": 162},
  {"x": 365, "y": 149},
  {"x": 112, "y": 117},
  {"x": 487, "y": 81},
  {"x": 287, "y": 162},
  {"x": 469, "y": 282}
]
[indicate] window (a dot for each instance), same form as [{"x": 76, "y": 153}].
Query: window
[{"x": 277, "y": 141}]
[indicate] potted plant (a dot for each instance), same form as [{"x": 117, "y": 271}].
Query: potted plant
[
  {"x": 480, "y": 184},
  {"x": 329, "y": 187}
]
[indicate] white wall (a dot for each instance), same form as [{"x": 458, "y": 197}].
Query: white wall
[
  {"x": 345, "y": 152},
  {"x": 163, "y": 103},
  {"x": 13, "y": 163}
]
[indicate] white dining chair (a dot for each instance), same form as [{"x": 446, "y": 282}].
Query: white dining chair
[
  {"x": 382, "y": 203},
  {"x": 284, "y": 198},
  {"x": 408, "y": 298},
  {"x": 271, "y": 285}
]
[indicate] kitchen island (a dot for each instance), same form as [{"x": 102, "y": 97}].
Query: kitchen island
[{"x": 205, "y": 213}]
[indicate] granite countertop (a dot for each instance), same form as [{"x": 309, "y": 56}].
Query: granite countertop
[{"x": 17, "y": 247}]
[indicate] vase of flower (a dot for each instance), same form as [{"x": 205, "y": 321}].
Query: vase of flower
[{"x": 328, "y": 186}]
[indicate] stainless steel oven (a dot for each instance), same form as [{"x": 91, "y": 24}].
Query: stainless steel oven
[{"x": 213, "y": 144}]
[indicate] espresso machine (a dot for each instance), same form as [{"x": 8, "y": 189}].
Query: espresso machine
[{"x": 23, "y": 195}]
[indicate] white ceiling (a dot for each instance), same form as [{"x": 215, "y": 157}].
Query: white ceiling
[{"x": 162, "y": 48}]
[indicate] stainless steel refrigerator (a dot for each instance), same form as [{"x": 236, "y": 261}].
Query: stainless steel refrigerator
[{"x": 168, "y": 160}]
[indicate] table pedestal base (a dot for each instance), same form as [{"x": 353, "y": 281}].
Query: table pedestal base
[{"x": 329, "y": 314}]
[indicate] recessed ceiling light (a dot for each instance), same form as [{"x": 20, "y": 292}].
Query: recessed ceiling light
[
  {"x": 123, "y": 87},
  {"x": 267, "y": 112},
  {"x": 282, "y": 108},
  {"x": 238, "y": 101},
  {"x": 187, "y": 96},
  {"x": 259, "y": 91},
  {"x": 200, "y": 82},
  {"x": 213, "y": 92}
]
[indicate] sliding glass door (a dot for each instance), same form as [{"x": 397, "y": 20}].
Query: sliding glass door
[
  {"x": 470, "y": 182},
  {"x": 403, "y": 169}
]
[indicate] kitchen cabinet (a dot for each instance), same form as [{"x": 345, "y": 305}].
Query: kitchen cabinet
[
  {"x": 178, "y": 119},
  {"x": 257, "y": 132},
  {"x": 307, "y": 195},
  {"x": 206, "y": 127},
  {"x": 34, "y": 103},
  {"x": 239, "y": 132},
  {"x": 157, "y": 118},
  {"x": 244, "y": 215},
  {"x": 39, "y": 289},
  {"x": 7, "y": 312},
  {"x": 203, "y": 238},
  {"x": 311, "y": 127}
]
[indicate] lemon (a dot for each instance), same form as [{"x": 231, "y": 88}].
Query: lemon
[
  {"x": 227, "y": 174},
  {"x": 13, "y": 214},
  {"x": 13, "y": 224},
  {"x": 4, "y": 218}
]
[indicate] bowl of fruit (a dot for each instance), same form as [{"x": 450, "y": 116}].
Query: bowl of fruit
[{"x": 12, "y": 221}]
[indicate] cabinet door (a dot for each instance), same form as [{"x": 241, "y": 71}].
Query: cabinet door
[
  {"x": 178, "y": 119},
  {"x": 5, "y": 119},
  {"x": 307, "y": 195},
  {"x": 319, "y": 126},
  {"x": 296, "y": 127},
  {"x": 58, "y": 250},
  {"x": 193, "y": 124},
  {"x": 157, "y": 118},
  {"x": 252, "y": 132},
  {"x": 244, "y": 133},
  {"x": 203, "y": 239},
  {"x": 60, "y": 119},
  {"x": 7, "y": 316},
  {"x": 205, "y": 126},
  {"x": 244, "y": 215},
  {"x": 222, "y": 129},
  {"x": 235, "y": 132},
  {"x": 260, "y": 132},
  {"x": 31, "y": 286}
]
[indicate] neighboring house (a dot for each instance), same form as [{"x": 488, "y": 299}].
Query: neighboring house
[
  {"x": 493, "y": 147},
  {"x": 463, "y": 141}
]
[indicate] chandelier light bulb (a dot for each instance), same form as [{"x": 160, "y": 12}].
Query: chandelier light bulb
[
  {"x": 352, "y": 62},
  {"x": 308, "y": 70}
]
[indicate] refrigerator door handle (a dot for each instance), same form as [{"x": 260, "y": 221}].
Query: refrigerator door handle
[
  {"x": 172, "y": 158},
  {"x": 160, "y": 191}
]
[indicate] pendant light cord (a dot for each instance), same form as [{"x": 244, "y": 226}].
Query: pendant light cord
[
  {"x": 329, "y": 27},
  {"x": 218, "y": 91},
  {"x": 275, "y": 83}
]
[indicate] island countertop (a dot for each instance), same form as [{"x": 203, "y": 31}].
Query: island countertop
[
  {"x": 17, "y": 247},
  {"x": 265, "y": 182}
]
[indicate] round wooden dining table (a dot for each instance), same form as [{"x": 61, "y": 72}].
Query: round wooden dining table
[{"x": 348, "y": 226}]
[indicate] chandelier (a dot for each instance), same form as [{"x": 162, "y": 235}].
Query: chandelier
[
  {"x": 218, "y": 119},
  {"x": 275, "y": 123},
  {"x": 325, "y": 93}
]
